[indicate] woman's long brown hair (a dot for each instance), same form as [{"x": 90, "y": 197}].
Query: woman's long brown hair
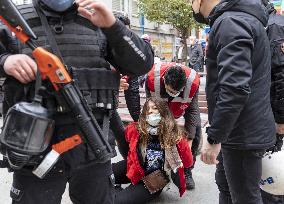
[{"x": 169, "y": 132}]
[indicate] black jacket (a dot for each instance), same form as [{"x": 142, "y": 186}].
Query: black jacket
[
  {"x": 195, "y": 54},
  {"x": 238, "y": 83},
  {"x": 275, "y": 32}
]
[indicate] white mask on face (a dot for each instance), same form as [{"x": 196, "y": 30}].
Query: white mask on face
[
  {"x": 173, "y": 95},
  {"x": 153, "y": 119}
]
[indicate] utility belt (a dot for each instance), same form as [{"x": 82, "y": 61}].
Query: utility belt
[{"x": 99, "y": 86}]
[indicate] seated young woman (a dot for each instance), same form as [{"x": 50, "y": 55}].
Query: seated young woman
[{"x": 157, "y": 154}]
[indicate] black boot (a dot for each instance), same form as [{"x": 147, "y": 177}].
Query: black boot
[{"x": 190, "y": 184}]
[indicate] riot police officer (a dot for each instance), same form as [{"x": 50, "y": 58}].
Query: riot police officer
[{"x": 86, "y": 46}]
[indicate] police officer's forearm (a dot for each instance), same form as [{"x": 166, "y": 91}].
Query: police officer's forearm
[
  {"x": 190, "y": 131},
  {"x": 278, "y": 111},
  {"x": 192, "y": 117},
  {"x": 131, "y": 55},
  {"x": 147, "y": 91},
  {"x": 132, "y": 98}
]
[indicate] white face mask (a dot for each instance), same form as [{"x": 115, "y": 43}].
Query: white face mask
[
  {"x": 153, "y": 119},
  {"x": 173, "y": 95}
]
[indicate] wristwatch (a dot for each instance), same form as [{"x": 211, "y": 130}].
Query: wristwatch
[{"x": 211, "y": 141}]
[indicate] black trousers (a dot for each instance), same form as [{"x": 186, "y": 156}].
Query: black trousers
[
  {"x": 90, "y": 184},
  {"x": 238, "y": 175},
  {"x": 272, "y": 199},
  {"x": 133, "y": 194}
]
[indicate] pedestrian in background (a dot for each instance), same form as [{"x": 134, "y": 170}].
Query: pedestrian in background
[{"x": 195, "y": 54}]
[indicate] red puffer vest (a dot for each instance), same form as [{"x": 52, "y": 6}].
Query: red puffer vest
[
  {"x": 178, "y": 104},
  {"x": 134, "y": 170}
]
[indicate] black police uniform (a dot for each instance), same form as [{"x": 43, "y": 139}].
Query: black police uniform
[
  {"x": 81, "y": 46},
  {"x": 275, "y": 32},
  {"x": 132, "y": 98}
]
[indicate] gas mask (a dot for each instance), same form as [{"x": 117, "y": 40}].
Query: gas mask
[
  {"x": 27, "y": 131},
  {"x": 199, "y": 17},
  {"x": 153, "y": 119},
  {"x": 58, "y": 5}
]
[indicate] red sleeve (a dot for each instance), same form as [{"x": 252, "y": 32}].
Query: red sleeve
[
  {"x": 150, "y": 79},
  {"x": 129, "y": 131},
  {"x": 185, "y": 153}
]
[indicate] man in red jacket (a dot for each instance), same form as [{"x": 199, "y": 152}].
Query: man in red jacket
[{"x": 179, "y": 85}]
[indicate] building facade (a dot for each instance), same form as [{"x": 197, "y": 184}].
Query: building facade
[{"x": 162, "y": 36}]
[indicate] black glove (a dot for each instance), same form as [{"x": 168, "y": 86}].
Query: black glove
[
  {"x": 278, "y": 145},
  {"x": 4, "y": 163}
]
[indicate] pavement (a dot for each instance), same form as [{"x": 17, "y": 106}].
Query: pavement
[{"x": 205, "y": 192}]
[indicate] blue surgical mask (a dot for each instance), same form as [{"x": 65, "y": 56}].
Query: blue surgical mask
[{"x": 58, "y": 5}]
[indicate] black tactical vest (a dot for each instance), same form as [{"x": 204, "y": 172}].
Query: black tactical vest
[{"x": 81, "y": 46}]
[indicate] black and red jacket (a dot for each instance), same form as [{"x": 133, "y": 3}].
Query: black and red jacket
[{"x": 179, "y": 104}]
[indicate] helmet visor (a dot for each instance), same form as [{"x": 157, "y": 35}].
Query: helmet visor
[{"x": 26, "y": 133}]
